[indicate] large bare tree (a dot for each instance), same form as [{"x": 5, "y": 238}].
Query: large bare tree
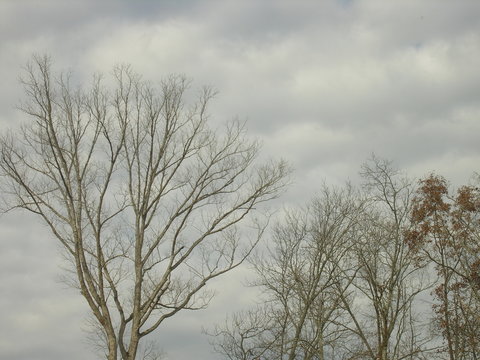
[{"x": 145, "y": 198}]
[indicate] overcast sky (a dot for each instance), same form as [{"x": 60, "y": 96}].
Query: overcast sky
[{"x": 324, "y": 84}]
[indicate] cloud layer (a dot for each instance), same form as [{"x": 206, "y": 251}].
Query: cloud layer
[{"x": 322, "y": 84}]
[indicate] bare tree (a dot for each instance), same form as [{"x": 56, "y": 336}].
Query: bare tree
[
  {"x": 247, "y": 335},
  {"x": 299, "y": 278},
  {"x": 386, "y": 283},
  {"x": 145, "y": 198}
]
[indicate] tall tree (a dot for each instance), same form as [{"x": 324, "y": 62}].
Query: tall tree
[
  {"x": 144, "y": 197},
  {"x": 386, "y": 282},
  {"x": 447, "y": 234}
]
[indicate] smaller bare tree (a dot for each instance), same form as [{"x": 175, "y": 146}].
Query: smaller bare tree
[
  {"x": 298, "y": 277},
  {"x": 386, "y": 282}
]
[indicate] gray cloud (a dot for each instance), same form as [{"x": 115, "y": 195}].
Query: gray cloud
[{"x": 322, "y": 84}]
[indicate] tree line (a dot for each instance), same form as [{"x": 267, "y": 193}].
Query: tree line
[
  {"x": 386, "y": 271},
  {"x": 150, "y": 203}
]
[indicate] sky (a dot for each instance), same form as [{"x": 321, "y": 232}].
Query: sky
[{"x": 323, "y": 84}]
